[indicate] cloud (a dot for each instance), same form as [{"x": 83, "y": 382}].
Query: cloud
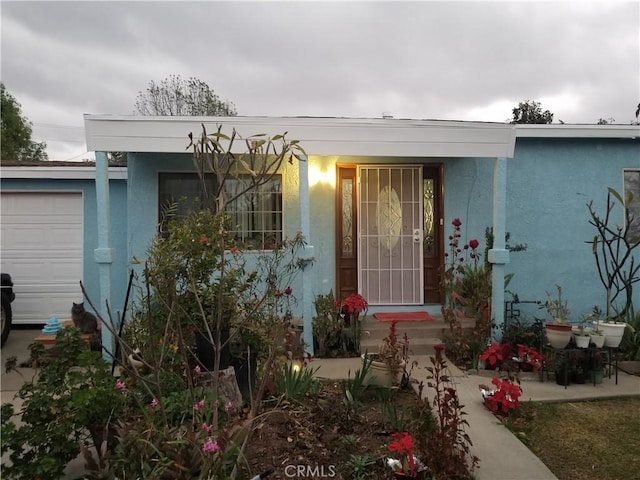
[{"x": 437, "y": 60}]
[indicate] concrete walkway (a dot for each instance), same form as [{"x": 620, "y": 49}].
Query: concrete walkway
[{"x": 502, "y": 456}]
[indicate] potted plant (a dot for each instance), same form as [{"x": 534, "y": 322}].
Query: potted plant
[
  {"x": 389, "y": 363},
  {"x": 596, "y": 333},
  {"x": 558, "y": 332},
  {"x": 581, "y": 334},
  {"x": 495, "y": 354}
]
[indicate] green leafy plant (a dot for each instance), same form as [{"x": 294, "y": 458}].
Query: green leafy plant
[
  {"x": 71, "y": 404},
  {"x": 297, "y": 381},
  {"x": 447, "y": 451},
  {"x": 350, "y": 441},
  {"x": 556, "y": 307},
  {"x": 327, "y": 324},
  {"x": 466, "y": 283},
  {"x": 358, "y": 465},
  {"x": 353, "y": 388}
]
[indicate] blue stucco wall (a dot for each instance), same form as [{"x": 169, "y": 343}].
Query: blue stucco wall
[
  {"x": 143, "y": 170},
  {"x": 118, "y": 205},
  {"x": 549, "y": 183}
]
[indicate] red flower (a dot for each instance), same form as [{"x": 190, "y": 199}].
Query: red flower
[
  {"x": 439, "y": 347},
  {"x": 204, "y": 240},
  {"x": 288, "y": 291},
  {"x": 474, "y": 243},
  {"x": 403, "y": 446},
  {"x": 456, "y": 222},
  {"x": 355, "y": 303}
]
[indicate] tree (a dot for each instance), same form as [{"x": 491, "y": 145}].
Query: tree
[
  {"x": 175, "y": 96},
  {"x": 15, "y": 136},
  {"x": 606, "y": 121},
  {"x": 530, "y": 112}
]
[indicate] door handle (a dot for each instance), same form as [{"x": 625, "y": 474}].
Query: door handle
[{"x": 417, "y": 235}]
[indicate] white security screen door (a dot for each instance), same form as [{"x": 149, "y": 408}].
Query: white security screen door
[{"x": 390, "y": 224}]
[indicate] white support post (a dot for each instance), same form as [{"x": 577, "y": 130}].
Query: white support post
[
  {"x": 307, "y": 253},
  {"x": 498, "y": 255},
  {"x": 104, "y": 253}
]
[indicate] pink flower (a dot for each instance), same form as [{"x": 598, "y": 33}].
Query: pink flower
[
  {"x": 197, "y": 370},
  {"x": 198, "y": 405},
  {"x": 210, "y": 446},
  {"x": 229, "y": 407},
  {"x": 456, "y": 222},
  {"x": 121, "y": 386},
  {"x": 154, "y": 403},
  {"x": 206, "y": 428}
]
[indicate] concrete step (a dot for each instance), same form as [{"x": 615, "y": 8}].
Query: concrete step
[
  {"x": 417, "y": 346},
  {"x": 422, "y": 335},
  {"x": 414, "y": 330}
]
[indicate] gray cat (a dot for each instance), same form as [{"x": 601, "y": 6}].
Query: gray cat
[{"x": 84, "y": 321}]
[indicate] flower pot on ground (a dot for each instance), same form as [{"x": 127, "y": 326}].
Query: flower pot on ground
[
  {"x": 389, "y": 364},
  {"x": 380, "y": 373},
  {"x": 563, "y": 377},
  {"x": 596, "y": 376}
]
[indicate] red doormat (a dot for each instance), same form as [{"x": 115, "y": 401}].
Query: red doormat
[{"x": 403, "y": 317}]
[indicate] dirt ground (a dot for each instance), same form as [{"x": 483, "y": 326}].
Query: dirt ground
[{"x": 323, "y": 438}]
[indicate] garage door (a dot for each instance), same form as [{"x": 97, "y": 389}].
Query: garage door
[{"x": 41, "y": 239}]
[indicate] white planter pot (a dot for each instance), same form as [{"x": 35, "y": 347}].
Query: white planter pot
[
  {"x": 613, "y": 333},
  {"x": 598, "y": 340},
  {"x": 379, "y": 374},
  {"x": 582, "y": 341}
]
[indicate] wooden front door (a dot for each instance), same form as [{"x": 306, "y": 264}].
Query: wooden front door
[{"x": 389, "y": 233}]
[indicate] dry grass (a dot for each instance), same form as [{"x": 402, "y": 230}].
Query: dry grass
[{"x": 584, "y": 440}]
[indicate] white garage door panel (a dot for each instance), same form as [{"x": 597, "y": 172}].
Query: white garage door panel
[
  {"x": 42, "y": 249},
  {"x": 38, "y": 306},
  {"x": 40, "y": 239}
]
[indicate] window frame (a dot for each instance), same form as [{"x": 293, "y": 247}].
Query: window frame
[
  {"x": 634, "y": 207},
  {"x": 263, "y": 243}
]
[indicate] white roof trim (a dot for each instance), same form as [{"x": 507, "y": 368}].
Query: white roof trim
[
  {"x": 578, "y": 131},
  {"x": 61, "y": 172},
  {"x": 318, "y": 136}
]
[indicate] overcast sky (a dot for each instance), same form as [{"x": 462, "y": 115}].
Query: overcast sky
[{"x": 427, "y": 60}]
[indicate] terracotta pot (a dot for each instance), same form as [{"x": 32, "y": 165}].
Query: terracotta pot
[{"x": 558, "y": 334}]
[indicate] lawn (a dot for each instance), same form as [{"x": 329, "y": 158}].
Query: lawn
[{"x": 579, "y": 440}]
